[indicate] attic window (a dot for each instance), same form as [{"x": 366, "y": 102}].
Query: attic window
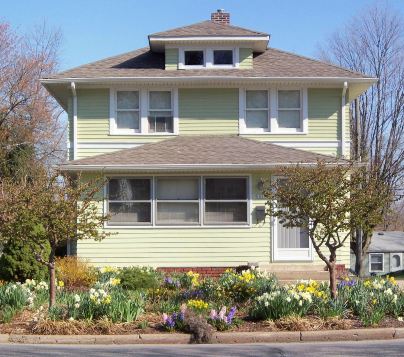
[
  {"x": 222, "y": 57},
  {"x": 194, "y": 58}
]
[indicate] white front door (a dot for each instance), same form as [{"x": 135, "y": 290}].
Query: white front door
[
  {"x": 292, "y": 244},
  {"x": 396, "y": 261}
]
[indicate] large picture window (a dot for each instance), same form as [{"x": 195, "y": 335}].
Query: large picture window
[
  {"x": 178, "y": 201},
  {"x": 129, "y": 201},
  {"x": 226, "y": 200}
]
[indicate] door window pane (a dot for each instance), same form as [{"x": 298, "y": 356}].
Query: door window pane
[
  {"x": 129, "y": 213},
  {"x": 194, "y": 58},
  {"x": 225, "y": 188},
  {"x": 221, "y": 57}
]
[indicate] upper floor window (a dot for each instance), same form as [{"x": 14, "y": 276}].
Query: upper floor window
[
  {"x": 257, "y": 109},
  {"x": 289, "y": 109},
  {"x": 127, "y": 111},
  {"x": 190, "y": 58},
  {"x": 194, "y": 58},
  {"x": 222, "y": 57},
  {"x": 160, "y": 115},
  {"x": 134, "y": 112},
  {"x": 273, "y": 111}
]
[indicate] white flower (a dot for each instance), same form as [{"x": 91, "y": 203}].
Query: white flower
[
  {"x": 92, "y": 291},
  {"x": 288, "y": 299},
  {"x": 388, "y": 292},
  {"x": 266, "y": 303},
  {"x": 300, "y": 303},
  {"x": 77, "y": 298},
  {"x": 77, "y": 305},
  {"x": 71, "y": 319},
  {"x": 400, "y": 318}
]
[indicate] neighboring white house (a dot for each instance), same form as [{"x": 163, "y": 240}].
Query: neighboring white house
[{"x": 386, "y": 253}]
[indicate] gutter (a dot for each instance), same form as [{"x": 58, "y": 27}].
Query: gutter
[
  {"x": 343, "y": 103},
  {"x": 339, "y": 80},
  {"x": 189, "y": 167},
  {"x": 74, "y": 93}
]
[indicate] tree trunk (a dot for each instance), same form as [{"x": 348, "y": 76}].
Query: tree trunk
[
  {"x": 333, "y": 275},
  {"x": 52, "y": 278}
]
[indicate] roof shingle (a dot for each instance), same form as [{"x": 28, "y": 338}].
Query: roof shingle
[
  {"x": 271, "y": 63},
  {"x": 208, "y": 28},
  {"x": 203, "y": 150}
]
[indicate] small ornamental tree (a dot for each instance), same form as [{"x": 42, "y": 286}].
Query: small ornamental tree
[
  {"x": 65, "y": 207},
  {"x": 323, "y": 199}
]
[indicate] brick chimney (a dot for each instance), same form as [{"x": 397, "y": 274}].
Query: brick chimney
[{"x": 220, "y": 17}]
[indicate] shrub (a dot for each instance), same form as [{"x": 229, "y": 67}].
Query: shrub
[
  {"x": 75, "y": 273},
  {"x": 18, "y": 262},
  {"x": 139, "y": 278}
]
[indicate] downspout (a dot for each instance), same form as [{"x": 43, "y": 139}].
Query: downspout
[
  {"x": 73, "y": 88},
  {"x": 343, "y": 102},
  {"x": 74, "y": 94}
]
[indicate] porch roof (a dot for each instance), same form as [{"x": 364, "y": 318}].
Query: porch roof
[{"x": 199, "y": 152}]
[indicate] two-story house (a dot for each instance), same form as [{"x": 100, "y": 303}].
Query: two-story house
[{"x": 186, "y": 129}]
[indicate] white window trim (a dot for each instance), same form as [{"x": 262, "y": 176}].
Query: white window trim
[
  {"x": 370, "y": 263},
  {"x": 201, "y": 224},
  {"x": 208, "y": 57},
  {"x": 273, "y": 111},
  {"x": 143, "y": 111}
]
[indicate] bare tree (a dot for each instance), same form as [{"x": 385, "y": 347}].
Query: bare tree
[
  {"x": 372, "y": 43},
  {"x": 29, "y": 116}
]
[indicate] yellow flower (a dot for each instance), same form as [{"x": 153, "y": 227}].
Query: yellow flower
[
  {"x": 115, "y": 281},
  {"x": 311, "y": 289},
  {"x": 300, "y": 287},
  {"x": 374, "y": 301},
  {"x": 392, "y": 280},
  {"x": 194, "y": 278},
  {"x": 197, "y": 304},
  {"x": 107, "y": 300},
  {"x": 367, "y": 283},
  {"x": 61, "y": 284}
]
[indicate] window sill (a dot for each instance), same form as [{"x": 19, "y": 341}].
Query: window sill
[
  {"x": 243, "y": 226},
  {"x": 141, "y": 134},
  {"x": 255, "y": 132}
]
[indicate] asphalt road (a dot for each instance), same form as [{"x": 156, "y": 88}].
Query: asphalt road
[{"x": 343, "y": 349}]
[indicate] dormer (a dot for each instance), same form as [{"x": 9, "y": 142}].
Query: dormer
[{"x": 212, "y": 44}]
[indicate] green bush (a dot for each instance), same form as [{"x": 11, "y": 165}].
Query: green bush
[
  {"x": 140, "y": 278},
  {"x": 18, "y": 263}
]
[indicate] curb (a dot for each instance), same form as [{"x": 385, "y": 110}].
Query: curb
[{"x": 219, "y": 337}]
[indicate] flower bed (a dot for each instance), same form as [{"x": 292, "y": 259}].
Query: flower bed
[{"x": 142, "y": 299}]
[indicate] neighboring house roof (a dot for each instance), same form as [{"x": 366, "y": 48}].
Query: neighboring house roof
[
  {"x": 208, "y": 28},
  {"x": 390, "y": 241},
  {"x": 272, "y": 63},
  {"x": 221, "y": 152}
]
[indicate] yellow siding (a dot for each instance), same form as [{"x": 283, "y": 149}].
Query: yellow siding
[
  {"x": 246, "y": 58},
  {"x": 186, "y": 247},
  {"x": 171, "y": 59},
  {"x": 208, "y": 111}
]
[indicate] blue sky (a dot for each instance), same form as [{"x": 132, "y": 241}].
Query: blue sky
[{"x": 95, "y": 29}]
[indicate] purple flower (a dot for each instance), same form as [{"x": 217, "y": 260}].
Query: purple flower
[
  {"x": 345, "y": 283},
  {"x": 231, "y": 314}
]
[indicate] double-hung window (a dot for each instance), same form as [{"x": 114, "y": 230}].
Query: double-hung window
[
  {"x": 226, "y": 200},
  {"x": 257, "y": 110},
  {"x": 177, "y": 201},
  {"x": 127, "y": 113},
  {"x": 129, "y": 201},
  {"x": 160, "y": 115},
  {"x": 376, "y": 262},
  {"x": 289, "y": 116}
]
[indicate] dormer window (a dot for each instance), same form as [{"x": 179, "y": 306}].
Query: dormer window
[
  {"x": 194, "y": 58},
  {"x": 209, "y": 58},
  {"x": 222, "y": 57}
]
